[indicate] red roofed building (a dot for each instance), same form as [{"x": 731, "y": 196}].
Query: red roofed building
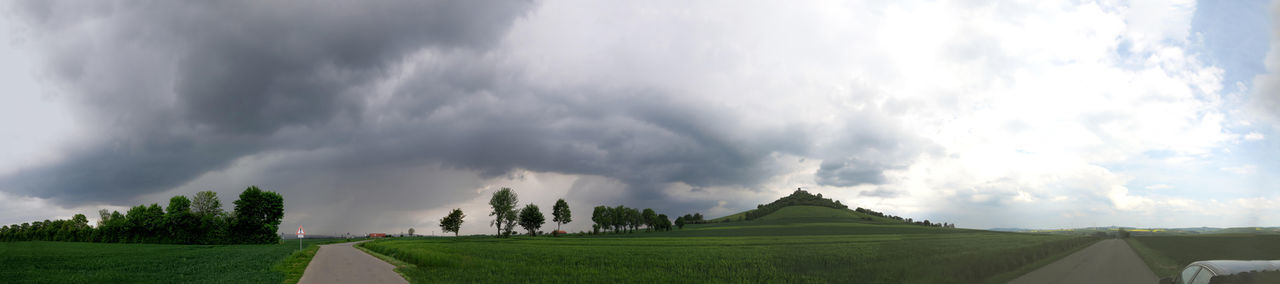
[{"x": 377, "y": 235}]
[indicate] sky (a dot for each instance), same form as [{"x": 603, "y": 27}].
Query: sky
[{"x": 379, "y": 116}]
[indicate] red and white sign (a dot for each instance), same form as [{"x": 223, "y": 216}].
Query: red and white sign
[{"x": 301, "y": 232}]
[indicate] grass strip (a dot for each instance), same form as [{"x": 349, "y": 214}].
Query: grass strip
[
  {"x": 402, "y": 268},
  {"x": 1162, "y": 265}
]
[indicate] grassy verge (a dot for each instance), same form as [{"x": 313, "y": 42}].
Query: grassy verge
[
  {"x": 405, "y": 269},
  {"x": 877, "y": 258},
  {"x": 1165, "y": 255},
  {"x": 1014, "y": 274},
  {"x": 1160, "y": 264}
]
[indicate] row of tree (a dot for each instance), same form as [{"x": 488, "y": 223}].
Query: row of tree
[
  {"x": 199, "y": 220},
  {"x": 908, "y": 220},
  {"x": 695, "y": 218},
  {"x": 506, "y": 217},
  {"x": 624, "y": 219}
]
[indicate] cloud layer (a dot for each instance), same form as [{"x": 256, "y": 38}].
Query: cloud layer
[{"x": 955, "y": 111}]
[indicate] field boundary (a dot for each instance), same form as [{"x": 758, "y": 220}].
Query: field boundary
[
  {"x": 1161, "y": 265},
  {"x": 401, "y": 266},
  {"x": 1014, "y": 274}
]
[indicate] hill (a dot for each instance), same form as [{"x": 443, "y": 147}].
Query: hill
[{"x": 804, "y": 205}]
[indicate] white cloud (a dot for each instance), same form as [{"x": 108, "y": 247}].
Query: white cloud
[
  {"x": 1242, "y": 169},
  {"x": 1253, "y": 136},
  {"x": 1159, "y": 186}
]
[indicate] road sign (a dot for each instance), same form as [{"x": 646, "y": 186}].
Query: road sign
[{"x": 300, "y": 234}]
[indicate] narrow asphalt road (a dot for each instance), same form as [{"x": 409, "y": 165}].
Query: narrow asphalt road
[
  {"x": 342, "y": 263},
  {"x": 1108, "y": 261}
]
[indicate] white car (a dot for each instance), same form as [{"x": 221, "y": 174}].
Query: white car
[{"x": 1227, "y": 271}]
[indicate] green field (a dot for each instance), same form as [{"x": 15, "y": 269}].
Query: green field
[
  {"x": 70, "y": 262},
  {"x": 811, "y": 247},
  {"x": 1167, "y": 254}
]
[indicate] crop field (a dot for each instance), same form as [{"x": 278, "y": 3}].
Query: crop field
[
  {"x": 74, "y": 262},
  {"x": 964, "y": 256},
  {"x": 1166, "y": 254}
]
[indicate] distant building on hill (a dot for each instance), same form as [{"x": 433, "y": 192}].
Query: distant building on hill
[{"x": 377, "y": 235}]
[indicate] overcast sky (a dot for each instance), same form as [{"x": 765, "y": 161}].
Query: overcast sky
[{"x": 378, "y": 116}]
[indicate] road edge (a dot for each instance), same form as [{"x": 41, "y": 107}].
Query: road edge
[
  {"x": 1014, "y": 274},
  {"x": 401, "y": 266},
  {"x": 294, "y": 265}
]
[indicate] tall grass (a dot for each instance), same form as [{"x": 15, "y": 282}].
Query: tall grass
[
  {"x": 1168, "y": 254},
  {"x": 67, "y": 262},
  {"x": 879, "y": 258}
]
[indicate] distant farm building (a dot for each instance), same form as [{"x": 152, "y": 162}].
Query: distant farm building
[{"x": 377, "y": 235}]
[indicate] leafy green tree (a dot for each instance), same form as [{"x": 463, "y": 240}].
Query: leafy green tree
[
  {"x": 257, "y": 216},
  {"x": 634, "y": 219},
  {"x": 599, "y": 218},
  {"x": 410, "y": 231},
  {"x": 618, "y": 218},
  {"x": 531, "y": 219},
  {"x": 206, "y": 203},
  {"x": 452, "y": 222},
  {"x": 650, "y": 218},
  {"x": 560, "y": 213},
  {"x": 680, "y": 222},
  {"x": 181, "y": 223},
  {"x": 663, "y": 222},
  {"x": 509, "y": 224},
  {"x": 503, "y": 203}
]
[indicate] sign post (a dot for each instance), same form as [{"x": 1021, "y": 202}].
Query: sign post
[{"x": 301, "y": 233}]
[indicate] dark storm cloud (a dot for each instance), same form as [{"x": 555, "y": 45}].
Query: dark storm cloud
[
  {"x": 177, "y": 89},
  {"x": 216, "y": 82}
]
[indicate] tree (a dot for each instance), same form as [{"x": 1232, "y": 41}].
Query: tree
[
  {"x": 452, "y": 222},
  {"x": 410, "y": 231},
  {"x": 664, "y": 223},
  {"x": 618, "y": 218},
  {"x": 181, "y": 224},
  {"x": 600, "y": 218},
  {"x": 650, "y": 218},
  {"x": 680, "y": 222},
  {"x": 509, "y": 224},
  {"x": 206, "y": 203},
  {"x": 634, "y": 219},
  {"x": 503, "y": 203},
  {"x": 257, "y": 216},
  {"x": 560, "y": 213},
  {"x": 531, "y": 219}
]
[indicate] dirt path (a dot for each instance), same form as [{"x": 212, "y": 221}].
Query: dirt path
[
  {"x": 1108, "y": 261},
  {"x": 342, "y": 263}
]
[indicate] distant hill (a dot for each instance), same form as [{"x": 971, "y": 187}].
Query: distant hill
[
  {"x": 802, "y": 205},
  {"x": 1149, "y": 231}
]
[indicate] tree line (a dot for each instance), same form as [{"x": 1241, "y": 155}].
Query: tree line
[
  {"x": 503, "y": 205},
  {"x": 621, "y": 219},
  {"x": 199, "y": 220},
  {"x": 695, "y": 218},
  {"x": 907, "y": 220}
]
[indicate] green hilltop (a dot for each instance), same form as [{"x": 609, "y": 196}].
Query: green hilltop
[{"x": 803, "y": 206}]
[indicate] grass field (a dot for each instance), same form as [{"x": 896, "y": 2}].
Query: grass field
[
  {"x": 1167, "y": 254},
  {"x": 68, "y": 262},
  {"x": 819, "y": 249}
]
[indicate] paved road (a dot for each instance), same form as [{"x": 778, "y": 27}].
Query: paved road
[
  {"x": 1108, "y": 261},
  {"x": 342, "y": 263}
]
